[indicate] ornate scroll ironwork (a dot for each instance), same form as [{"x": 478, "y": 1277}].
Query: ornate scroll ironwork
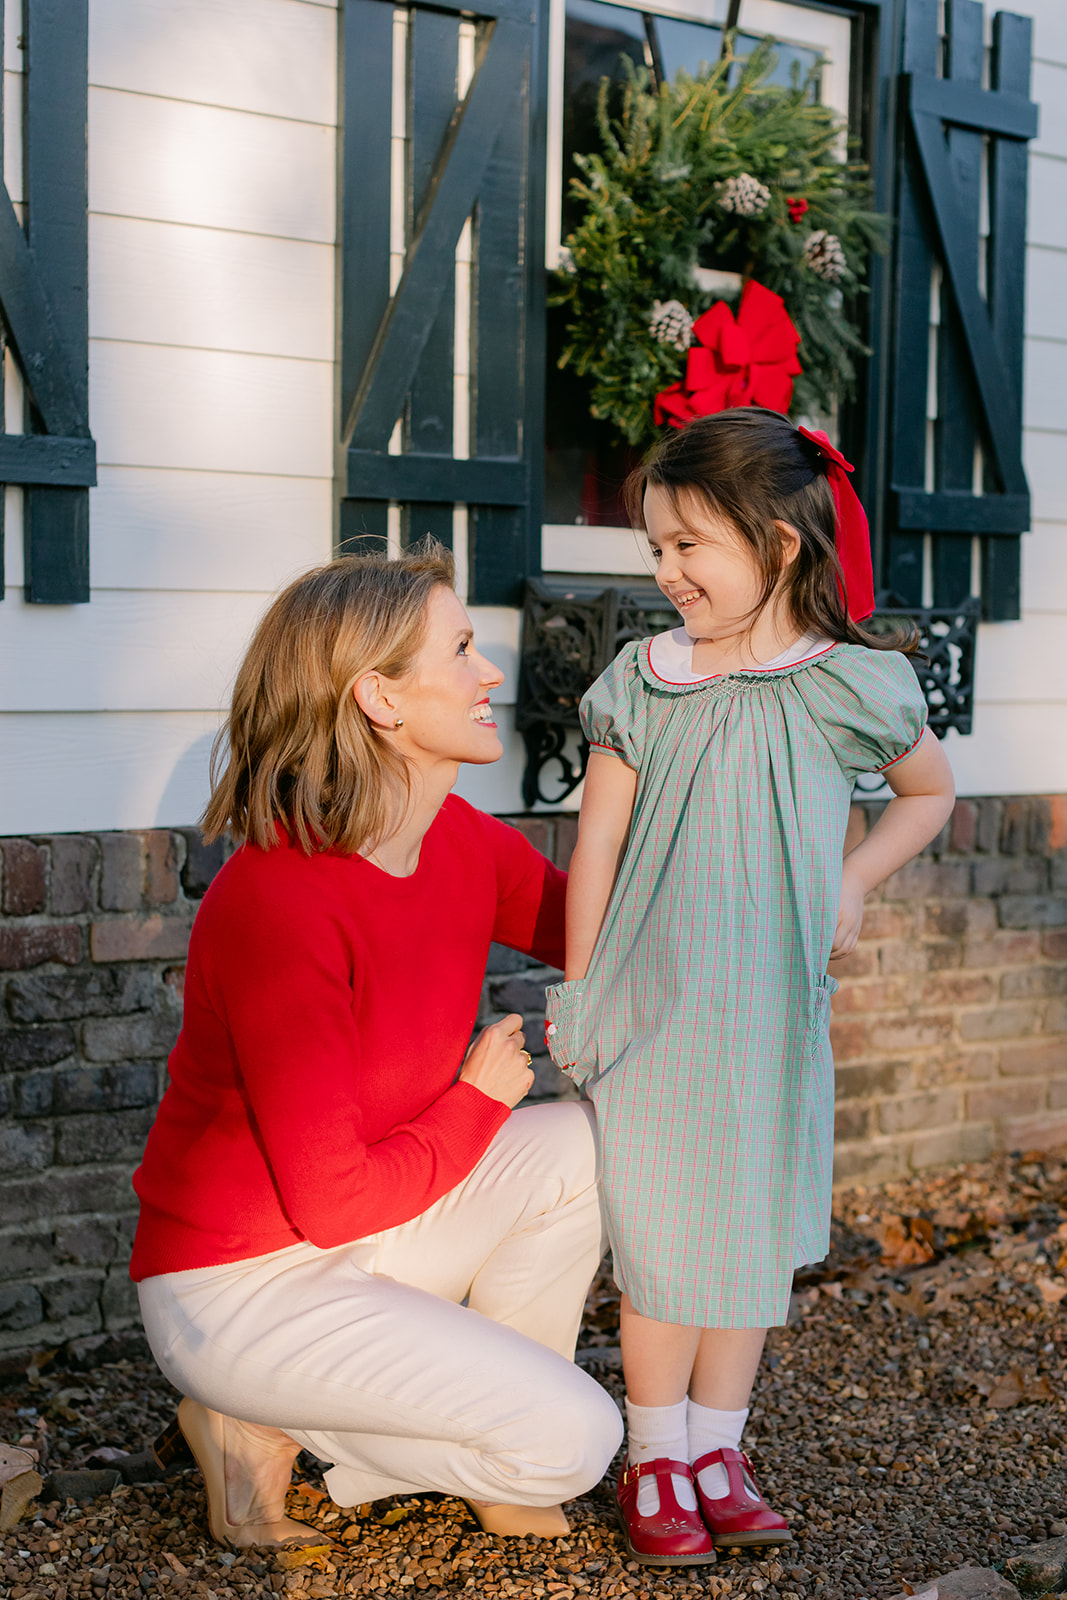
[{"x": 573, "y": 628}]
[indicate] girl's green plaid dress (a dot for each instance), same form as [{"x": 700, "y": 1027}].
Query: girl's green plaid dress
[{"x": 701, "y": 1029}]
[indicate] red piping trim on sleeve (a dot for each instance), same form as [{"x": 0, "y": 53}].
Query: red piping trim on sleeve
[{"x": 903, "y": 753}]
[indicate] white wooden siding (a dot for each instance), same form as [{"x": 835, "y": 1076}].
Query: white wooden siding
[{"x": 212, "y": 235}]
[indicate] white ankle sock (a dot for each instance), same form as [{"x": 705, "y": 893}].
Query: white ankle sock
[
  {"x": 713, "y": 1430},
  {"x": 659, "y": 1431}
]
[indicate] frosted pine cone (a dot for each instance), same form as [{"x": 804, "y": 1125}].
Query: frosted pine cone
[
  {"x": 744, "y": 195},
  {"x": 824, "y": 255},
  {"x": 671, "y": 323}
]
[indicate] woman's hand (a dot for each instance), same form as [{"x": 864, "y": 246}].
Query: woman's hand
[
  {"x": 850, "y": 915},
  {"x": 497, "y": 1064}
]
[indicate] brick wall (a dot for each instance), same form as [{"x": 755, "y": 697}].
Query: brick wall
[
  {"x": 93, "y": 934},
  {"x": 950, "y": 1029}
]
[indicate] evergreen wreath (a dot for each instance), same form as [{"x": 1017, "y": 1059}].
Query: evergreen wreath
[{"x": 700, "y": 173}]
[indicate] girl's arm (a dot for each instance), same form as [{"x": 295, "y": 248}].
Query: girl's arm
[
  {"x": 924, "y": 793},
  {"x": 603, "y": 826}
]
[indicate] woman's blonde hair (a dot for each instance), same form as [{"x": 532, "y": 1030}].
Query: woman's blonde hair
[{"x": 296, "y": 749}]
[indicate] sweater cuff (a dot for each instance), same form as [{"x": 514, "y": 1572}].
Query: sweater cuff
[{"x": 470, "y": 1118}]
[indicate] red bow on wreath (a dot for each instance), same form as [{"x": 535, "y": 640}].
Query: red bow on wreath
[{"x": 748, "y": 362}]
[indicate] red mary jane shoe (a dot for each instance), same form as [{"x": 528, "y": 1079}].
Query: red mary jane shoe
[
  {"x": 672, "y": 1537},
  {"x": 737, "y": 1519}
]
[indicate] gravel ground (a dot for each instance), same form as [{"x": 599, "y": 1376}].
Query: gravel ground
[{"x": 910, "y": 1418}]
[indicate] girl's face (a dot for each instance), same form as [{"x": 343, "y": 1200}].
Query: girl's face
[
  {"x": 706, "y": 570},
  {"x": 444, "y": 700}
]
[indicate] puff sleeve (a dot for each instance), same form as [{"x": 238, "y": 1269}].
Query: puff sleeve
[
  {"x": 613, "y": 711},
  {"x": 868, "y": 705}
]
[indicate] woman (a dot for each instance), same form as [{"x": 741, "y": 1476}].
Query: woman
[{"x": 346, "y": 1241}]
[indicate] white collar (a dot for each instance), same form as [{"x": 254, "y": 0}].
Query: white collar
[{"x": 670, "y": 655}]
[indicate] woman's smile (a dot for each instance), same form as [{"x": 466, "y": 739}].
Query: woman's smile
[{"x": 483, "y": 713}]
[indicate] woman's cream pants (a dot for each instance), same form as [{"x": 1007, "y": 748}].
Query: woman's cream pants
[{"x": 367, "y": 1355}]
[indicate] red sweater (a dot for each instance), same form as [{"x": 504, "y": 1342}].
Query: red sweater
[{"x": 328, "y": 1007}]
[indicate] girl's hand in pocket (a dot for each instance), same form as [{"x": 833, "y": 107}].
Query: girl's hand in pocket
[{"x": 850, "y": 915}]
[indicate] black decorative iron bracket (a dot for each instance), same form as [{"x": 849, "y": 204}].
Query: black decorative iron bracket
[{"x": 573, "y": 628}]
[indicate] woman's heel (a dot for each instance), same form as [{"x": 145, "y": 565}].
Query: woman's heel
[
  {"x": 517, "y": 1522},
  {"x": 170, "y": 1451}
]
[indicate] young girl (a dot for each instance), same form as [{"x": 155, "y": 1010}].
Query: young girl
[{"x": 706, "y": 896}]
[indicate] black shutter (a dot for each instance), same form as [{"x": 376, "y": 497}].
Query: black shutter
[
  {"x": 44, "y": 301},
  {"x": 481, "y": 157},
  {"x": 945, "y": 125}
]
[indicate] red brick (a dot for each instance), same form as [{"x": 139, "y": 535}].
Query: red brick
[
  {"x": 74, "y": 858},
  {"x": 916, "y": 881},
  {"x": 914, "y": 1111},
  {"x": 566, "y": 839},
  {"x": 1057, "y": 1094},
  {"x": 1001, "y": 1022},
  {"x": 860, "y": 963},
  {"x": 849, "y": 1039},
  {"x": 911, "y": 1032},
  {"x": 1057, "y": 823},
  {"x": 959, "y": 989},
  {"x": 24, "y": 875},
  {"x": 1033, "y": 910},
  {"x": 120, "y": 873},
  {"x": 886, "y": 922},
  {"x": 160, "y": 867},
  {"x": 535, "y": 829},
  {"x": 1055, "y": 1017},
  {"x": 870, "y": 1161},
  {"x": 865, "y": 997},
  {"x": 994, "y": 1100},
  {"x": 856, "y": 831},
  {"x": 174, "y": 978},
  {"x": 152, "y": 938},
  {"x": 1002, "y": 950},
  {"x": 955, "y": 919},
  {"x": 1010, "y": 875},
  {"x": 1045, "y": 1132},
  {"x": 851, "y": 1120},
  {"x": 31, "y": 947},
  {"x": 1054, "y": 944},
  {"x": 1015, "y": 827},
  {"x": 988, "y": 825},
  {"x": 943, "y": 1147},
  {"x": 954, "y": 1066},
  {"x": 1034, "y": 1056},
  {"x": 963, "y": 828},
  {"x": 1022, "y": 982},
  {"x": 870, "y": 1080},
  {"x": 904, "y": 955}
]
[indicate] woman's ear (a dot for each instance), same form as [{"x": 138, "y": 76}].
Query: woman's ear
[
  {"x": 373, "y": 694},
  {"x": 790, "y": 542}
]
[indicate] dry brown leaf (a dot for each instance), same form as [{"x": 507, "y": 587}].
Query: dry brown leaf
[
  {"x": 980, "y": 1284},
  {"x": 16, "y": 1495},
  {"x": 1014, "y": 1389},
  {"x": 1050, "y": 1292},
  {"x": 14, "y": 1461},
  {"x": 907, "y": 1242},
  {"x": 832, "y": 1289},
  {"x": 304, "y": 1555},
  {"x": 176, "y": 1565},
  {"x": 869, "y": 1281},
  {"x": 913, "y": 1303}
]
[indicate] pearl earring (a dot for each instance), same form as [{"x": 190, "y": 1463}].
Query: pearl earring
[{"x": 398, "y": 722}]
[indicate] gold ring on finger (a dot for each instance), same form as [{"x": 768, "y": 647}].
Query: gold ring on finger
[{"x": 529, "y": 1058}]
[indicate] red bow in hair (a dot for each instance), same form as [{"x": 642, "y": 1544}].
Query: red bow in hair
[
  {"x": 748, "y": 362},
  {"x": 853, "y": 531}
]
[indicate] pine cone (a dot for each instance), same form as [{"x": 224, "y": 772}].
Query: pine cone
[
  {"x": 824, "y": 255},
  {"x": 744, "y": 195},
  {"x": 670, "y": 323}
]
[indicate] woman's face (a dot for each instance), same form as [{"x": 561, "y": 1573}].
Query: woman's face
[{"x": 444, "y": 700}]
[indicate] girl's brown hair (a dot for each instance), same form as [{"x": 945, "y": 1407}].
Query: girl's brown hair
[
  {"x": 752, "y": 467},
  {"x": 296, "y": 749}
]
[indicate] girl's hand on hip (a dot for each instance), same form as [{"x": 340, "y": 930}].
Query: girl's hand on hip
[
  {"x": 850, "y": 916},
  {"x": 497, "y": 1062}
]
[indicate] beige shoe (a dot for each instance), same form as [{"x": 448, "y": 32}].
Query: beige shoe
[
  {"x": 542, "y": 1522},
  {"x": 248, "y": 1468}
]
